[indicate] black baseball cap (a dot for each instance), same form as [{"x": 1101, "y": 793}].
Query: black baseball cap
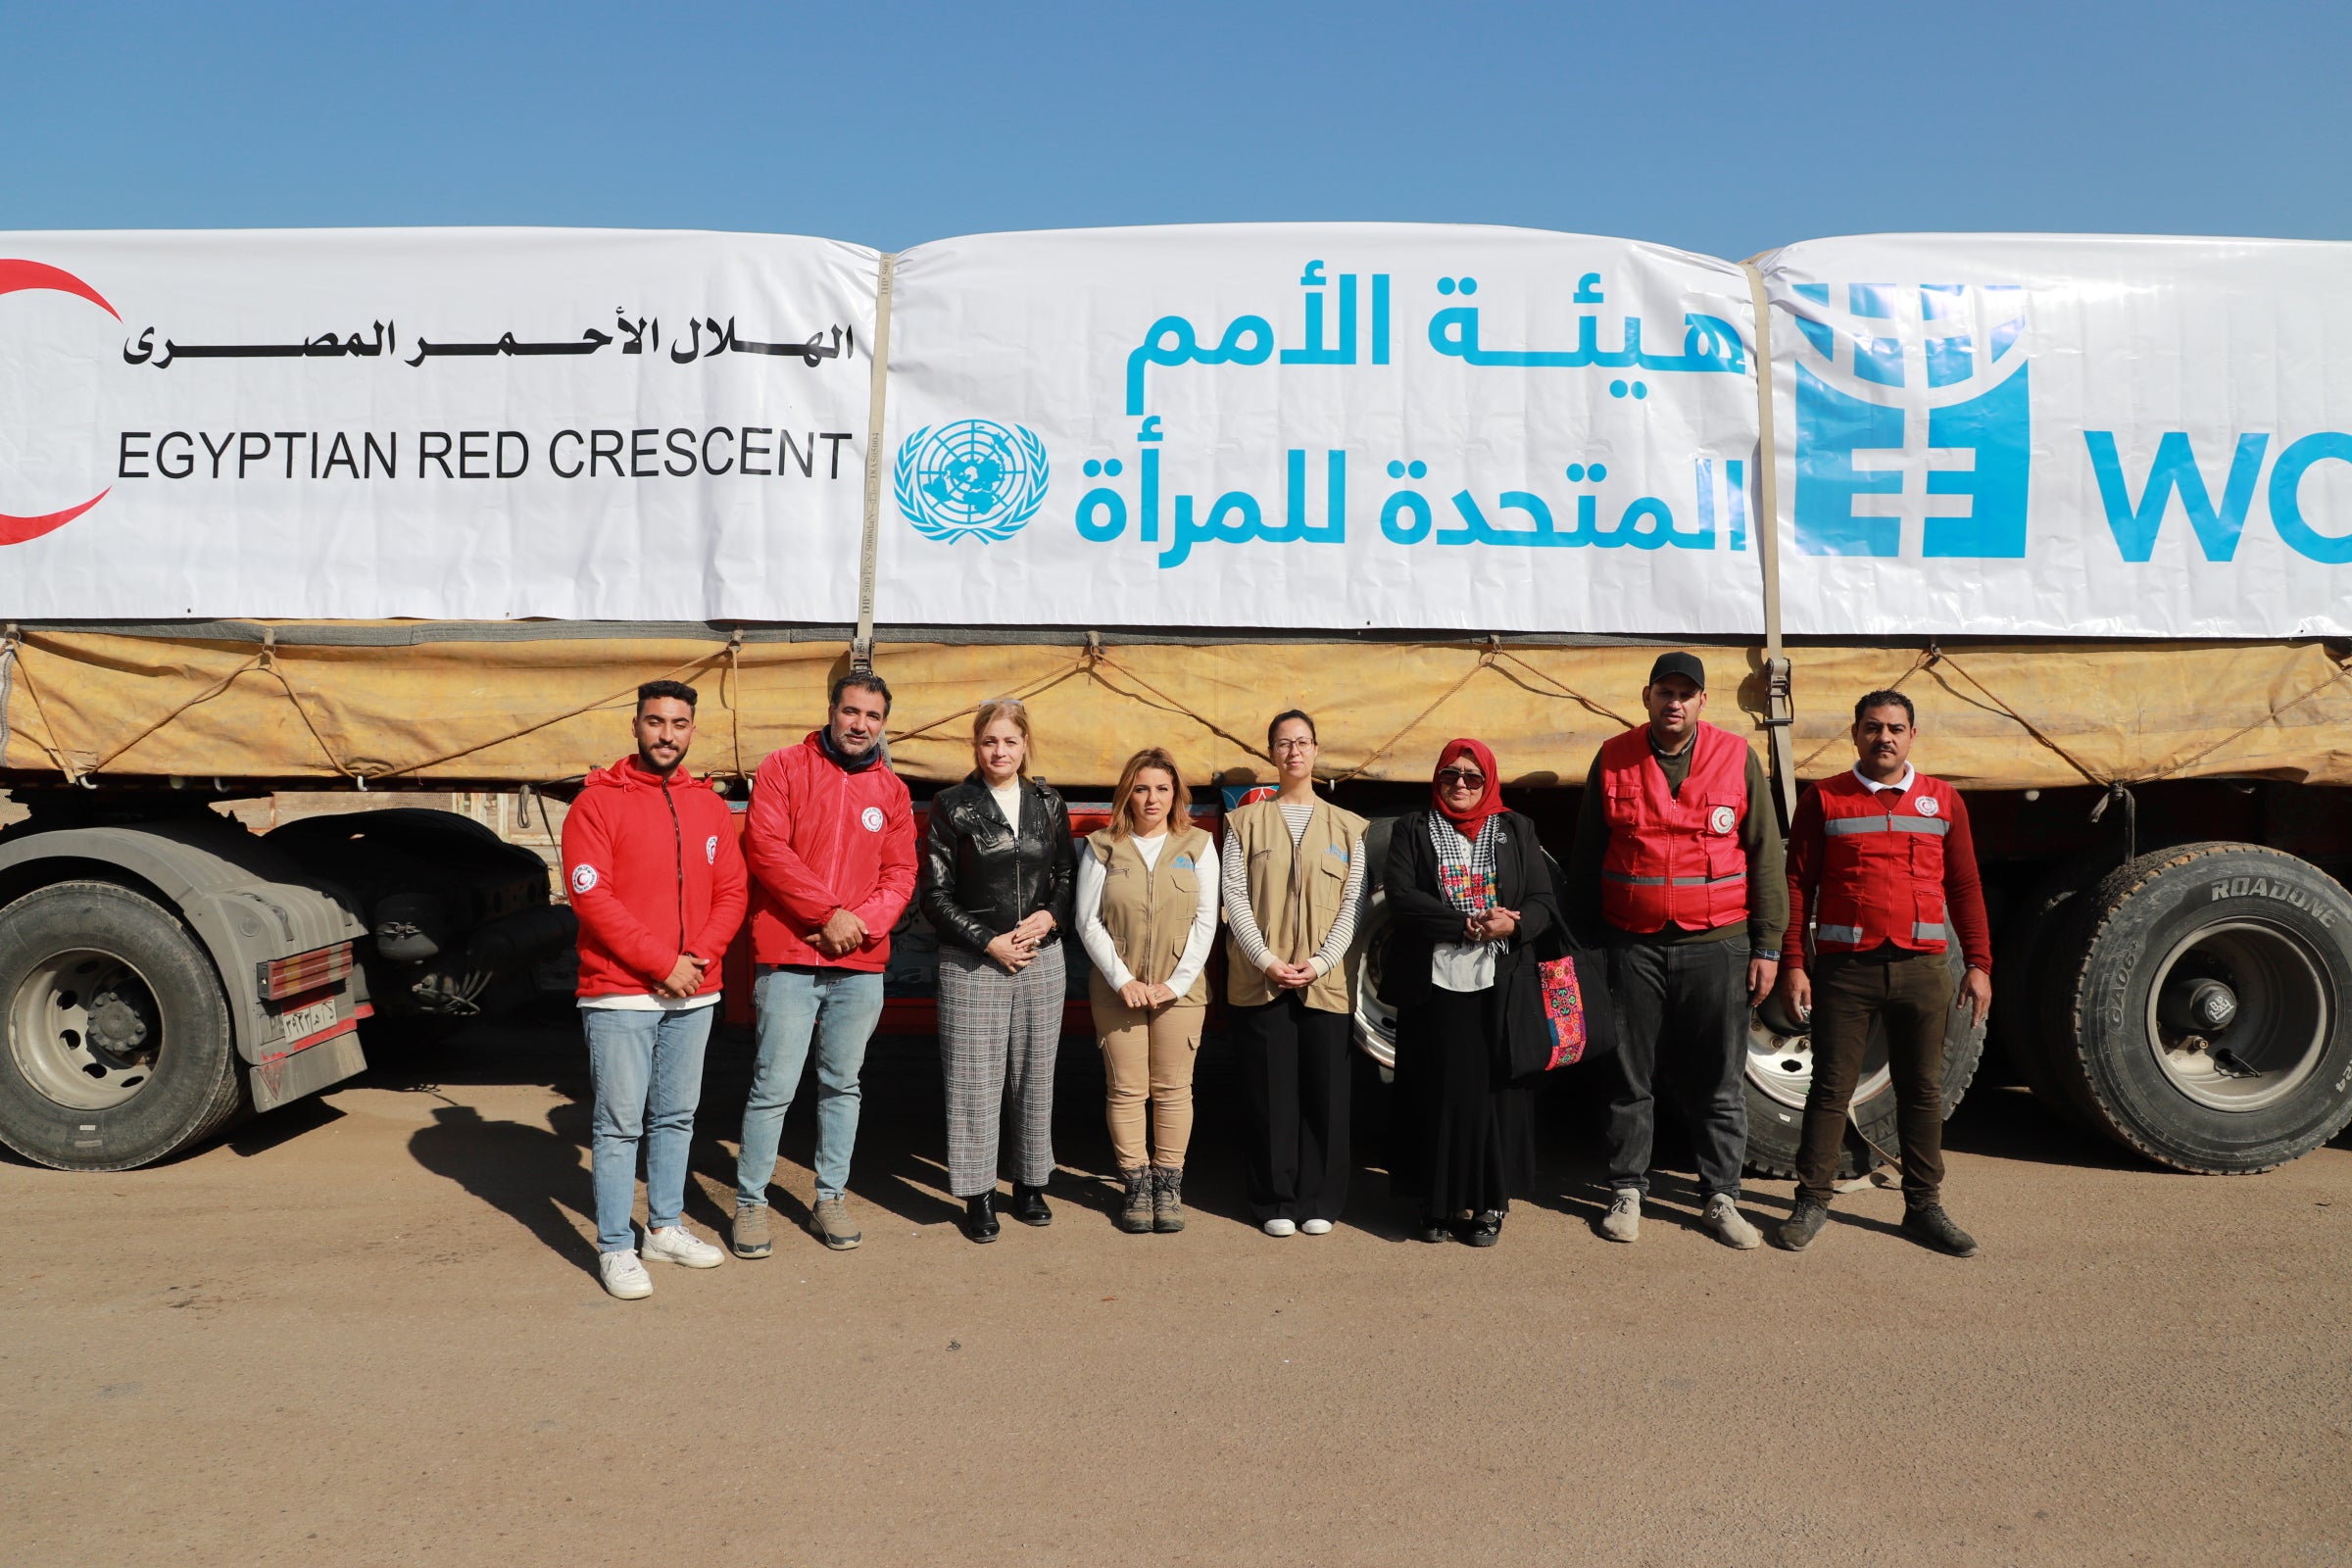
[{"x": 1684, "y": 665}]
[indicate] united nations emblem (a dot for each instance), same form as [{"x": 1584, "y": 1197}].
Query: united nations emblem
[{"x": 971, "y": 478}]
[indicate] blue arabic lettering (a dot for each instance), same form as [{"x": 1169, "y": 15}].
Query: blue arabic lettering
[
  {"x": 1171, "y": 342},
  {"x": 1406, "y": 501},
  {"x": 1101, "y": 511},
  {"x": 1344, "y": 353},
  {"x": 1709, "y": 343},
  {"x": 1734, "y": 505},
  {"x": 1253, "y": 526}
]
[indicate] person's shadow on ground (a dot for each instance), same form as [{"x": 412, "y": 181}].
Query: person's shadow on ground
[{"x": 532, "y": 1174}]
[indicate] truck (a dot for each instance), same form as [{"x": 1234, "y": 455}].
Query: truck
[{"x": 2158, "y": 770}]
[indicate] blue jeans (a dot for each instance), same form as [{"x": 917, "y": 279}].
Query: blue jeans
[
  {"x": 840, "y": 1008},
  {"x": 647, "y": 1069}
]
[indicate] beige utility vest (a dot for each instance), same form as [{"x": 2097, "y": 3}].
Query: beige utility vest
[
  {"x": 1149, "y": 909},
  {"x": 1294, "y": 894}
]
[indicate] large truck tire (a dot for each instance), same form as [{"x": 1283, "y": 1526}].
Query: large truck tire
[
  {"x": 118, "y": 1050},
  {"x": 1779, "y": 1072},
  {"x": 1375, "y": 1022},
  {"x": 2019, "y": 1024},
  {"x": 2199, "y": 1015}
]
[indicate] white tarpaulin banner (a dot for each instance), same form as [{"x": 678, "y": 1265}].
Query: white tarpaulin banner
[
  {"x": 1320, "y": 426},
  {"x": 1306, "y": 427},
  {"x": 2062, "y": 435},
  {"x": 452, "y": 424}
]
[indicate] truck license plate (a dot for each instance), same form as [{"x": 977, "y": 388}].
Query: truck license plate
[{"x": 308, "y": 1019}]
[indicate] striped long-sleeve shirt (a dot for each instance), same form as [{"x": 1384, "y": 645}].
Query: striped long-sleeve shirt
[{"x": 1244, "y": 920}]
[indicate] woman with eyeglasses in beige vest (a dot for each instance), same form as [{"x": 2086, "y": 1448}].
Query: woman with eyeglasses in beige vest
[
  {"x": 1293, "y": 872},
  {"x": 1147, "y": 917}
]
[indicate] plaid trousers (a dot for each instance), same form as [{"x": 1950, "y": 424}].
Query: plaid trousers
[{"x": 997, "y": 1037}]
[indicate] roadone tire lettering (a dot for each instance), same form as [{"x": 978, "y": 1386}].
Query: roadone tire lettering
[{"x": 2259, "y": 886}]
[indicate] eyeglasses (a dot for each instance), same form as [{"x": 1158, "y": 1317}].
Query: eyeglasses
[
  {"x": 1297, "y": 743},
  {"x": 1458, "y": 778}
]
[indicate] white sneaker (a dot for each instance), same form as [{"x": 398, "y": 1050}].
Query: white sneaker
[
  {"x": 1731, "y": 1227},
  {"x": 675, "y": 1243},
  {"x": 1280, "y": 1227},
  {"x": 1623, "y": 1221},
  {"x": 623, "y": 1276},
  {"x": 1314, "y": 1227}
]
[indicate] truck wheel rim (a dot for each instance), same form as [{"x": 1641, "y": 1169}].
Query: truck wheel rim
[
  {"x": 1375, "y": 1019},
  {"x": 2274, "y": 1038},
  {"x": 84, "y": 1029},
  {"x": 1782, "y": 1064}
]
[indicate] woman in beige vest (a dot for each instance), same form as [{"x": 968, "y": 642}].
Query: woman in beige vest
[
  {"x": 1148, "y": 917},
  {"x": 1294, "y": 879}
]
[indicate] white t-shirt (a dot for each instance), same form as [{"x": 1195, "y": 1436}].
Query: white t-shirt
[{"x": 1008, "y": 801}]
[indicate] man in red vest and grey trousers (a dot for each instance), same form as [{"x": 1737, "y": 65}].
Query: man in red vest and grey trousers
[
  {"x": 1677, "y": 867},
  {"x": 1881, "y": 857}
]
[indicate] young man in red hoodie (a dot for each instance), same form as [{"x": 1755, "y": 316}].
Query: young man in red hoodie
[
  {"x": 659, "y": 886},
  {"x": 831, "y": 844}
]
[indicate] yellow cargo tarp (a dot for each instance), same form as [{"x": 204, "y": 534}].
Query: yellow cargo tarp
[{"x": 539, "y": 711}]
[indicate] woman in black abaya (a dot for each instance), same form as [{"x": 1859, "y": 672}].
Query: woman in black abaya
[{"x": 1469, "y": 896}]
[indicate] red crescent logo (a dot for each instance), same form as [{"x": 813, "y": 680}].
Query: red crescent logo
[{"x": 22, "y": 274}]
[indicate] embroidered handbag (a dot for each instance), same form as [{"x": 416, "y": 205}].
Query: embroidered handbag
[{"x": 1563, "y": 1011}]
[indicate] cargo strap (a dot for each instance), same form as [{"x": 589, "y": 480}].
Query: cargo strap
[
  {"x": 1779, "y": 708},
  {"x": 861, "y": 650}
]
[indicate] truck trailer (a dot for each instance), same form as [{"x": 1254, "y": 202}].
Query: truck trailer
[{"x": 2126, "y": 635}]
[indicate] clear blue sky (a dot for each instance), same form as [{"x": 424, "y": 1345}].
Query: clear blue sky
[{"x": 1723, "y": 127}]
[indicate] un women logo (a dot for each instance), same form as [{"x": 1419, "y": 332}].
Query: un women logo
[{"x": 972, "y": 478}]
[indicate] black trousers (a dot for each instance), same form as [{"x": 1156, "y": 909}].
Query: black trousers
[
  {"x": 1913, "y": 998},
  {"x": 1295, "y": 1156},
  {"x": 1682, "y": 1009}
]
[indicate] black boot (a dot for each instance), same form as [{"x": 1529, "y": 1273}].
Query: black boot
[
  {"x": 1168, "y": 1199},
  {"x": 1029, "y": 1204},
  {"x": 1804, "y": 1222},
  {"x": 1929, "y": 1226},
  {"x": 1484, "y": 1229},
  {"x": 980, "y": 1217}
]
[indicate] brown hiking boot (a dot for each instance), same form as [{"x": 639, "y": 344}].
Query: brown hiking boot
[
  {"x": 830, "y": 1224},
  {"x": 1136, "y": 1217},
  {"x": 749, "y": 1237},
  {"x": 1168, "y": 1199}
]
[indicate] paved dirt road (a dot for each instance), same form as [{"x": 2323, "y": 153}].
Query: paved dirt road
[{"x": 366, "y": 1332}]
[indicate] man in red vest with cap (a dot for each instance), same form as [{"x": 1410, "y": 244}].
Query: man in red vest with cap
[
  {"x": 1677, "y": 867},
  {"x": 1882, "y": 859}
]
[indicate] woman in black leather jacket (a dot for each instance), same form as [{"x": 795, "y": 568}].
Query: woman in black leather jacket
[{"x": 998, "y": 868}]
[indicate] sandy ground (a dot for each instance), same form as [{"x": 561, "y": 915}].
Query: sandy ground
[{"x": 366, "y": 1331}]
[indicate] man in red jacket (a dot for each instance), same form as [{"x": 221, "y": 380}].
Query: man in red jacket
[
  {"x": 831, "y": 844},
  {"x": 1883, "y": 861},
  {"x": 657, "y": 884}
]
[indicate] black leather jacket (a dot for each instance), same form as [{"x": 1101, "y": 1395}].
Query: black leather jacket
[{"x": 983, "y": 876}]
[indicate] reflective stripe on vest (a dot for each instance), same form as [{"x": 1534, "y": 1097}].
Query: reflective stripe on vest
[
  {"x": 1851, "y": 935},
  {"x": 1843, "y": 826},
  {"x": 1673, "y": 881}
]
